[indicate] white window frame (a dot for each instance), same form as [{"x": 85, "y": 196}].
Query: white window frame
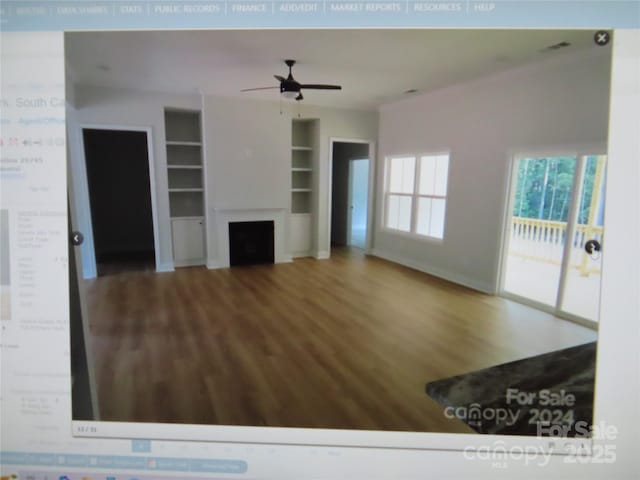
[{"x": 415, "y": 195}]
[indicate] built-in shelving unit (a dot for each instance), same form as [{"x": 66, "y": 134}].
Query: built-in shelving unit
[
  {"x": 186, "y": 185},
  {"x": 303, "y": 151},
  {"x": 301, "y": 165}
]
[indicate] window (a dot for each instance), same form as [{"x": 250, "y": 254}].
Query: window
[{"x": 416, "y": 194}]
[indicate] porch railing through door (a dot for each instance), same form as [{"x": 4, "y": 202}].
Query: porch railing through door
[{"x": 543, "y": 241}]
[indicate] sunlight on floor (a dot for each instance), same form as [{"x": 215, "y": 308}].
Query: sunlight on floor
[{"x": 539, "y": 281}]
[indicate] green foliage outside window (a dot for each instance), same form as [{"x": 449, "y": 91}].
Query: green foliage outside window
[{"x": 544, "y": 187}]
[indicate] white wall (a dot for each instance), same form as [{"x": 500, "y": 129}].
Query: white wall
[
  {"x": 558, "y": 102},
  {"x": 248, "y": 155},
  {"x": 106, "y": 106}
]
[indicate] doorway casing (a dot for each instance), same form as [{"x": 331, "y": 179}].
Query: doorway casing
[{"x": 370, "y": 190}]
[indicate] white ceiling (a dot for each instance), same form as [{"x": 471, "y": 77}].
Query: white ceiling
[{"x": 373, "y": 66}]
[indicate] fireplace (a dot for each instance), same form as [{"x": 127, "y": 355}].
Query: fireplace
[
  {"x": 251, "y": 243},
  {"x": 221, "y": 220}
]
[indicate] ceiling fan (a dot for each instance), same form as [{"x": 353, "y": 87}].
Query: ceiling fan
[{"x": 290, "y": 88}]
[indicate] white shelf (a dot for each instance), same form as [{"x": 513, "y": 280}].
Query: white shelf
[
  {"x": 185, "y": 167},
  {"x": 186, "y": 189},
  {"x": 300, "y": 189},
  {"x": 301, "y": 169},
  {"x": 306, "y": 149},
  {"x": 186, "y": 217},
  {"x": 184, "y": 144}
]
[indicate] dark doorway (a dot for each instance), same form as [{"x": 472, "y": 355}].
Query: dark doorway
[
  {"x": 349, "y": 194},
  {"x": 120, "y": 200}
]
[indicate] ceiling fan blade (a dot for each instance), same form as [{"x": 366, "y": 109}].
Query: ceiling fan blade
[
  {"x": 280, "y": 78},
  {"x": 259, "y": 88},
  {"x": 321, "y": 87}
]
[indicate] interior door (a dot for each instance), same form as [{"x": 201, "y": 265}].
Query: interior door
[{"x": 358, "y": 202}]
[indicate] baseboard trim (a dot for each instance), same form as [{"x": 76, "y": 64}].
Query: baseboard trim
[
  {"x": 214, "y": 264},
  {"x": 165, "y": 267},
  {"x": 436, "y": 272},
  {"x": 323, "y": 255}
]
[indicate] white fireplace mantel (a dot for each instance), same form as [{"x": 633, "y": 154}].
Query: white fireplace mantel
[{"x": 220, "y": 219}]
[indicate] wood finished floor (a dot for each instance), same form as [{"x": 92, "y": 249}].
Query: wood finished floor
[{"x": 348, "y": 342}]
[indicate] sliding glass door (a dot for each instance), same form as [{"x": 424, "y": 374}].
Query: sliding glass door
[
  {"x": 555, "y": 233},
  {"x": 580, "y": 292}
]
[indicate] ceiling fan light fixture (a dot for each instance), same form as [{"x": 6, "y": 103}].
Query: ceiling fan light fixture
[{"x": 290, "y": 89}]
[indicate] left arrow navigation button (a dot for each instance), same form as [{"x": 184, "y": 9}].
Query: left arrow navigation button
[{"x": 77, "y": 238}]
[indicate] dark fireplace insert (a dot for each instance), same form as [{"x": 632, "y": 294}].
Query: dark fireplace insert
[{"x": 251, "y": 243}]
